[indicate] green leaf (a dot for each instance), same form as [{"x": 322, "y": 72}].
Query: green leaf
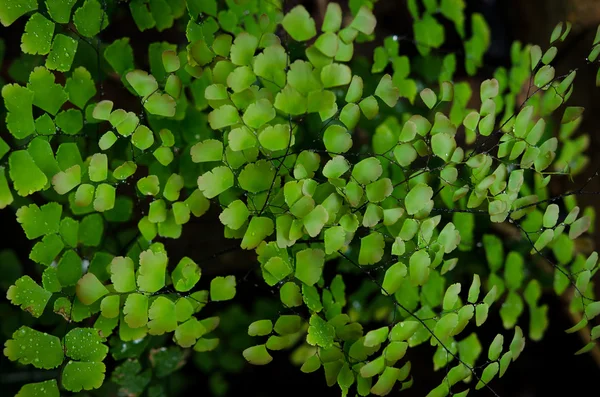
[
  {"x": 26, "y": 176},
  {"x": 241, "y": 79},
  {"x": 260, "y": 328},
  {"x": 488, "y": 374},
  {"x": 102, "y": 110},
  {"x": 26, "y": 344},
  {"x": 162, "y": 316},
  {"x": 69, "y": 268},
  {"x": 143, "y": 83},
  {"x": 107, "y": 140},
  {"x": 379, "y": 190},
  {"x": 496, "y": 348},
  {"x": 364, "y": 21},
  {"x": 83, "y": 375},
  {"x": 208, "y": 150},
  {"x": 428, "y": 97},
  {"x": 62, "y": 53},
  {"x": 320, "y": 333},
  {"x": 299, "y": 24},
  {"x": 80, "y": 87},
  {"x": 579, "y": 227},
  {"x": 38, "y": 221},
  {"x": 98, "y": 168},
  {"x": 241, "y": 138},
  {"x": 428, "y": 33},
  {"x": 119, "y": 55},
  {"x": 288, "y": 324},
  {"x": 257, "y": 355},
  {"x": 419, "y": 263},
  {"x": 276, "y": 137},
  {"x": 290, "y": 101},
  {"x": 47, "y": 388},
  {"x": 185, "y": 275},
  {"x": 259, "y": 113},
  {"x": 333, "y": 18},
  {"x": 215, "y": 182},
  {"x": 322, "y": 102},
  {"x": 376, "y": 337},
  {"x": 170, "y": 61},
  {"x": 84, "y": 344},
  {"x": 18, "y": 101},
  {"x": 136, "y": 310},
  {"x": 60, "y": 10},
  {"x": 355, "y": 90},
  {"x": 258, "y": 229},
  {"x": 10, "y": 11},
  {"x": 160, "y": 105},
  {"x": 367, "y": 170},
  {"x": 489, "y": 89},
  {"x": 371, "y": 249},
  {"x": 443, "y": 146},
  {"x": 551, "y": 216},
  {"x": 47, "y": 250},
  {"x": 152, "y": 271},
  {"x": 224, "y": 116},
  {"x": 235, "y": 215},
  {"x": 336, "y": 74},
  {"x": 38, "y": 35},
  {"x": 70, "y": 121},
  {"x": 337, "y": 139},
  {"x": 90, "y": 230},
  {"x": 47, "y": 95},
  {"x": 29, "y": 295},
  {"x": 387, "y": 91},
  {"x": 222, "y": 288},
  {"x": 394, "y": 277},
  {"x": 90, "y": 19},
  {"x": 89, "y": 289},
  {"x": 445, "y": 326},
  {"x": 418, "y": 198},
  {"x": 243, "y": 48},
  {"x": 290, "y": 295},
  {"x": 373, "y": 368},
  {"x": 327, "y": 43},
  {"x": 481, "y": 313},
  {"x": 309, "y": 265},
  {"x": 257, "y": 177},
  {"x": 173, "y": 187},
  {"x": 544, "y": 76},
  {"x": 451, "y": 296},
  {"x": 65, "y": 181},
  {"x": 369, "y": 107}
]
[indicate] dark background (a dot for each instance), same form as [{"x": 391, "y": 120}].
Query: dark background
[{"x": 545, "y": 368}]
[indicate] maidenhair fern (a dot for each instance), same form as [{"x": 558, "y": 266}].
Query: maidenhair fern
[{"x": 323, "y": 168}]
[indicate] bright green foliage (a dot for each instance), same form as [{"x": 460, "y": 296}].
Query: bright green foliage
[
  {"x": 62, "y": 53},
  {"x": 26, "y": 344},
  {"x": 222, "y": 288},
  {"x": 18, "y": 101},
  {"x": 90, "y": 18},
  {"x": 80, "y": 87},
  {"x": 29, "y": 295},
  {"x": 38, "y": 35},
  {"x": 10, "y": 11},
  {"x": 152, "y": 270},
  {"x": 185, "y": 275},
  {"x": 321, "y": 163},
  {"x": 47, "y": 388},
  {"x": 60, "y": 10}
]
